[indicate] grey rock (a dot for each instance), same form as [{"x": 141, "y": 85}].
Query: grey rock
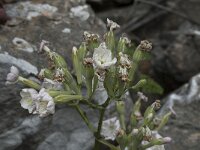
[
  {"x": 14, "y": 137},
  {"x": 66, "y": 123},
  {"x": 123, "y": 1},
  {"x": 181, "y": 58},
  {"x": 56, "y": 141},
  {"x": 81, "y": 136},
  {"x": 184, "y": 129}
]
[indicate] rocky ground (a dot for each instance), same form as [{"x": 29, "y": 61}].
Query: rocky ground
[
  {"x": 172, "y": 26},
  {"x": 62, "y": 23}
]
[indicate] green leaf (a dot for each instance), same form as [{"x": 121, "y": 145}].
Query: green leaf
[{"x": 151, "y": 86}]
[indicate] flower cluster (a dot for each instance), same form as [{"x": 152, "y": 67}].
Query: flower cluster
[
  {"x": 105, "y": 68},
  {"x": 37, "y": 103}
]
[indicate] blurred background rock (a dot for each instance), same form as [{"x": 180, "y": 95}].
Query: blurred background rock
[{"x": 173, "y": 26}]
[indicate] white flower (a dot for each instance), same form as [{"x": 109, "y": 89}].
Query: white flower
[
  {"x": 12, "y": 77},
  {"x": 110, "y": 128},
  {"x": 102, "y": 57},
  {"x": 28, "y": 99},
  {"x": 44, "y": 104},
  {"x": 50, "y": 84}
]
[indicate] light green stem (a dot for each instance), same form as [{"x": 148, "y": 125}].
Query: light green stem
[{"x": 85, "y": 118}]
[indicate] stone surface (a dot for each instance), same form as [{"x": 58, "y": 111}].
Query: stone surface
[
  {"x": 184, "y": 129},
  {"x": 18, "y": 130}
]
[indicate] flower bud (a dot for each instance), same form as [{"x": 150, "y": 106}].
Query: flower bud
[
  {"x": 138, "y": 55},
  {"x": 12, "y": 77},
  {"x": 58, "y": 60},
  {"x": 152, "y": 108},
  {"x": 164, "y": 120},
  {"x": 63, "y": 75},
  {"x": 82, "y": 51},
  {"x": 148, "y": 119},
  {"x": 123, "y": 43},
  {"x": 121, "y": 112},
  {"x": 161, "y": 141},
  {"x": 109, "y": 83},
  {"x": 77, "y": 65},
  {"x": 140, "y": 84},
  {"x": 66, "y": 98},
  {"x": 120, "y": 107},
  {"x": 29, "y": 83},
  {"x": 88, "y": 74},
  {"x": 110, "y": 41},
  {"x": 45, "y": 73}
]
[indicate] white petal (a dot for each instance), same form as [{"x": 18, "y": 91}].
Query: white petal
[
  {"x": 110, "y": 128},
  {"x": 28, "y": 104}
]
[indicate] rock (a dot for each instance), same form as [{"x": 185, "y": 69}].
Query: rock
[
  {"x": 122, "y": 2},
  {"x": 181, "y": 58},
  {"x": 184, "y": 129},
  {"x": 22, "y": 45},
  {"x": 28, "y": 10},
  {"x": 66, "y": 122},
  {"x": 11, "y": 139},
  {"x": 3, "y": 16},
  {"x": 56, "y": 141},
  {"x": 80, "y": 12}
]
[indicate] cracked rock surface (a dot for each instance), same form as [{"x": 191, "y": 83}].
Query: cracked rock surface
[
  {"x": 55, "y": 22},
  {"x": 185, "y": 127}
]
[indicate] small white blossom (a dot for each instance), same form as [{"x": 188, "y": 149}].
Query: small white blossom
[
  {"x": 102, "y": 57},
  {"x": 44, "y": 104},
  {"x": 50, "y": 84},
  {"x": 12, "y": 77},
  {"x": 110, "y": 128},
  {"x": 112, "y": 25},
  {"x": 28, "y": 99}
]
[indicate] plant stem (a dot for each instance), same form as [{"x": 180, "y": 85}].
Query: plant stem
[
  {"x": 98, "y": 133},
  {"x": 84, "y": 117}
]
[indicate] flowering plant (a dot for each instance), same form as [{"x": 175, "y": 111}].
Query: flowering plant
[{"x": 103, "y": 67}]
